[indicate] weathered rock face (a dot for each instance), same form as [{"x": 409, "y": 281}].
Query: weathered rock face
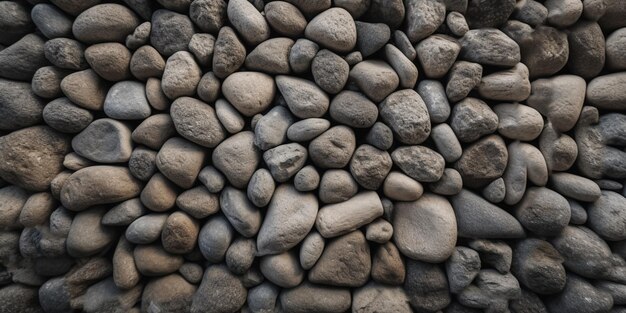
[{"x": 312, "y": 156}]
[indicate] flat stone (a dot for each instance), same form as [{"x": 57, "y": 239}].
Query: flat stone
[
  {"x": 104, "y": 141},
  {"x": 344, "y": 262},
  {"x": 290, "y": 216},
  {"x": 340, "y": 218},
  {"x": 91, "y": 186},
  {"x": 425, "y": 229}
]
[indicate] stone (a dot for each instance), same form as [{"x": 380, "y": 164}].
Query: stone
[
  {"x": 261, "y": 187},
  {"x": 284, "y": 161},
  {"x": 380, "y": 136},
  {"x": 142, "y": 163},
  {"x": 125, "y": 273},
  {"x": 64, "y": 116},
  {"x": 37, "y": 209},
  {"x": 154, "y": 131},
  {"x": 337, "y": 186},
  {"x": 604, "y": 216},
  {"x": 271, "y": 129},
  {"x": 168, "y": 293},
  {"x": 104, "y": 141},
  {"x": 575, "y": 187},
  {"x": 376, "y": 79},
  {"x": 457, "y": 24},
  {"x": 140, "y": 36},
  {"x": 105, "y": 294},
  {"x": 434, "y": 96},
  {"x": 107, "y": 22},
  {"x": 87, "y": 236},
  {"x": 495, "y": 254},
  {"x": 545, "y": 52},
  {"x": 271, "y": 56},
  {"x": 285, "y": 18},
  {"x": 192, "y": 272},
  {"x": 159, "y": 194},
  {"x": 146, "y": 62},
  {"x": 220, "y": 290},
  {"x": 587, "y": 49},
  {"x": 595, "y": 300},
  {"x": 229, "y": 53},
  {"x": 369, "y": 166},
  {"x": 330, "y": 71},
  {"x": 51, "y": 21},
  {"x": 197, "y": 122},
  {"x": 202, "y": 45},
  {"x": 249, "y": 22},
  {"x": 328, "y": 299},
  {"x": 391, "y": 13},
  {"x": 307, "y": 179},
  {"x": 307, "y": 129},
  {"x": 388, "y": 265},
  {"x": 23, "y": 58},
  {"x": 426, "y": 286},
  {"x": 615, "y": 42},
  {"x": 525, "y": 163},
  {"x": 208, "y": 15},
  {"x": 146, "y": 229},
  {"x": 249, "y": 92},
  {"x": 243, "y": 215},
  {"x": 46, "y": 81},
  {"x": 181, "y": 75},
  {"x": 302, "y": 54},
  {"x": 90, "y": 186},
  {"x": 20, "y": 298},
  {"x": 13, "y": 200},
  {"x": 333, "y": 148},
  {"x": 303, "y": 97},
  {"x": 65, "y": 53},
  {"x": 518, "y": 122},
  {"x": 344, "y": 262},
  {"x": 198, "y": 201},
  {"x": 543, "y": 211},
  {"x": 462, "y": 267},
  {"x": 212, "y": 179},
  {"x": 477, "y": 218},
  {"x": 563, "y": 13},
  {"x": 17, "y": 100},
  {"x": 603, "y": 91},
  {"x": 437, "y": 54},
  {"x": 282, "y": 269},
  {"x": 464, "y": 76},
  {"x": 155, "y": 95},
  {"x": 483, "y": 161},
  {"x": 215, "y": 238},
  {"x": 170, "y": 32},
  {"x": 311, "y": 250},
  {"x": 371, "y": 37},
  {"x": 509, "y": 85},
  {"x": 34, "y": 162},
  {"x": 180, "y": 233},
  {"x": 406, "y": 114},
  {"x": 263, "y": 298},
  {"x": 127, "y": 101},
  {"x": 180, "y": 161},
  {"x": 232, "y": 153},
  {"x": 419, "y": 162},
  {"x": 240, "y": 255},
  {"x": 290, "y": 216},
  {"x": 489, "y": 47},
  {"x": 374, "y": 297},
  {"x": 537, "y": 265},
  {"x": 110, "y": 60},
  {"x": 85, "y": 89},
  {"x": 342, "y": 37},
  {"x": 152, "y": 260},
  {"x": 353, "y": 109},
  {"x": 446, "y": 142},
  {"x": 584, "y": 252},
  {"x": 425, "y": 229},
  {"x": 340, "y": 218},
  {"x": 124, "y": 213},
  {"x": 404, "y": 67},
  {"x": 209, "y": 87},
  {"x": 398, "y": 186},
  {"x": 490, "y": 13},
  {"x": 471, "y": 119},
  {"x": 423, "y": 17}
]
